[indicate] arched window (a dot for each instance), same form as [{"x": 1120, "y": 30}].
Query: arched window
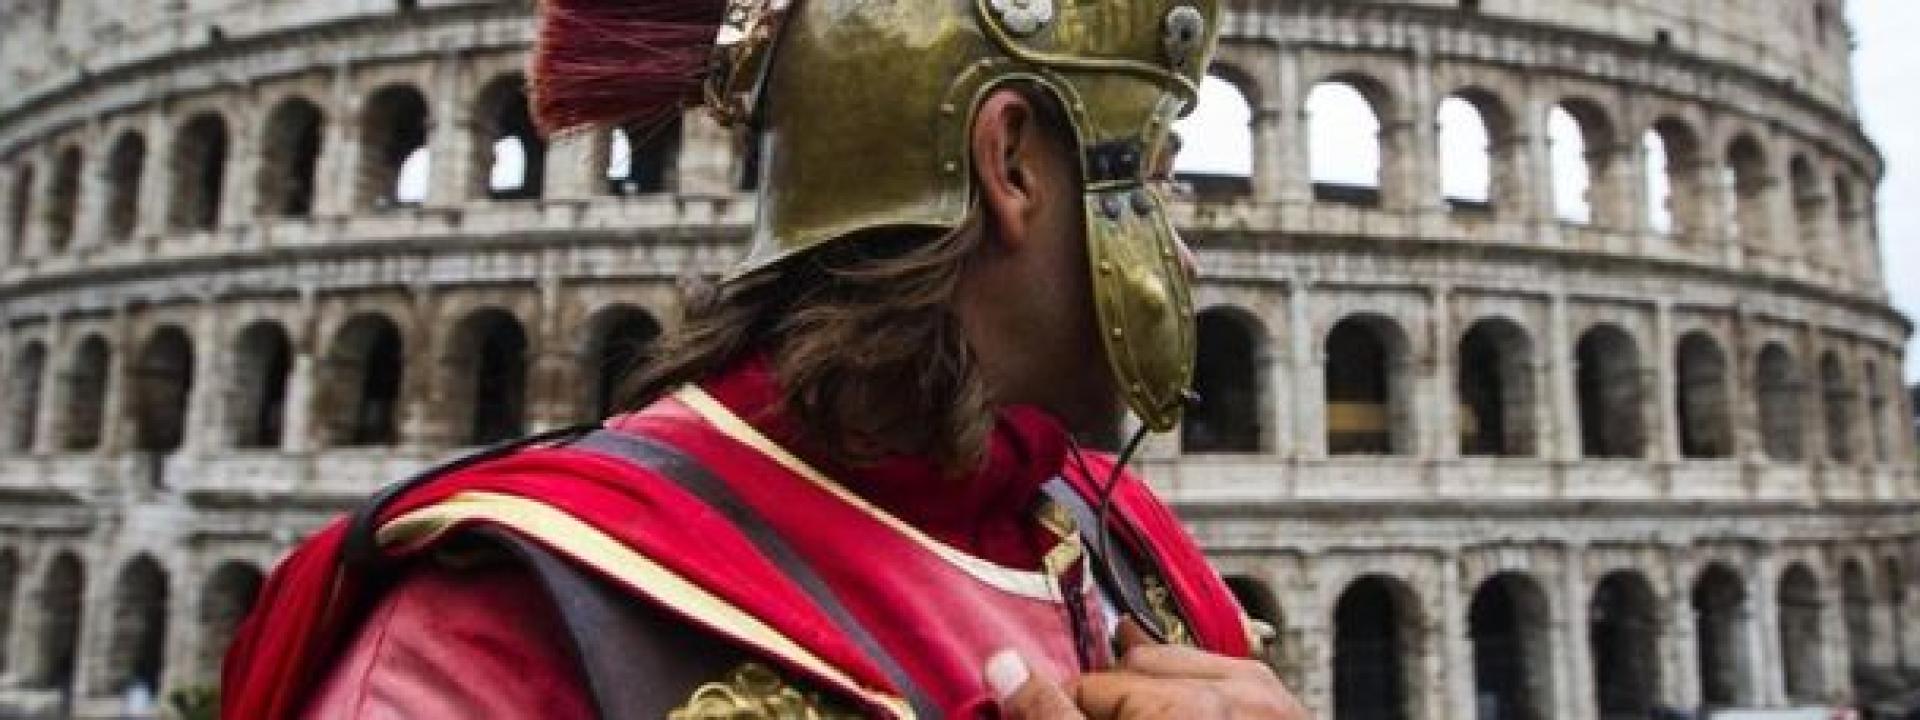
[
  {"x": 1723, "y": 622},
  {"x": 488, "y": 382},
  {"x": 1836, "y": 395},
  {"x": 137, "y": 648},
  {"x": 514, "y": 156},
  {"x": 1511, "y": 630},
  {"x": 126, "y": 167},
  {"x": 1216, "y": 150},
  {"x": 61, "y": 594},
  {"x": 1365, "y": 384},
  {"x": 1579, "y": 137},
  {"x": 1673, "y": 186},
  {"x": 1780, "y": 390},
  {"x": 21, "y": 207},
  {"x": 1704, "y": 396},
  {"x": 395, "y": 163},
  {"x": 86, "y": 391},
  {"x": 24, "y": 389},
  {"x": 1747, "y": 184},
  {"x": 1496, "y": 390},
  {"x": 1810, "y": 209},
  {"x": 1800, "y": 611},
  {"x": 621, "y": 338},
  {"x": 1608, "y": 383},
  {"x": 643, "y": 159},
  {"x": 63, "y": 204},
  {"x": 199, "y": 173},
  {"x": 1227, "y": 379},
  {"x": 290, "y": 158},
  {"x": 1346, "y": 147},
  {"x": 1623, "y": 630},
  {"x": 360, "y": 383},
  {"x": 162, "y": 385},
  {"x": 1376, "y": 647},
  {"x": 225, "y": 601},
  {"x": 262, "y": 360},
  {"x": 1473, "y": 136}
]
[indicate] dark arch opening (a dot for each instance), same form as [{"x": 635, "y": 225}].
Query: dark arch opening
[
  {"x": 126, "y": 167},
  {"x": 1780, "y": 392},
  {"x": 1510, "y": 627},
  {"x": 1496, "y": 390},
  {"x": 1837, "y": 397},
  {"x": 162, "y": 386},
  {"x": 229, "y": 595},
  {"x": 1608, "y": 381},
  {"x": 644, "y": 159},
  {"x": 361, "y": 381},
  {"x": 1227, "y": 379},
  {"x": 64, "y": 202},
  {"x": 1704, "y": 396},
  {"x": 21, "y": 217},
  {"x": 393, "y": 136},
  {"x": 137, "y": 644},
  {"x": 290, "y": 159},
  {"x": 1623, "y": 629},
  {"x": 1800, "y": 635},
  {"x": 61, "y": 594},
  {"x": 199, "y": 173},
  {"x": 86, "y": 391},
  {"x": 512, "y": 153},
  {"x": 1720, "y": 606},
  {"x": 1375, "y": 645},
  {"x": 621, "y": 341},
  {"x": 1364, "y": 361},
  {"x": 24, "y": 390},
  {"x": 263, "y": 361},
  {"x": 489, "y": 376},
  {"x": 1747, "y": 167}
]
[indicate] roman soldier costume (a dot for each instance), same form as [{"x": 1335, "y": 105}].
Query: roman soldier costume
[{"x": 696, "y": 558}]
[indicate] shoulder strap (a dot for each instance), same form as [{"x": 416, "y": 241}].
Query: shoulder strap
[
  {"x": 1124, "y": 584},
  {"x": 669, "y": 462}
]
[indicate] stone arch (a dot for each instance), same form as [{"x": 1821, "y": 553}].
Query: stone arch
[
  {"x": 1608, "y": 382},
  {"x": 87, "y": 381},
  {"x": 1510, "y": 626},
  {"x": 1218, "y": 164},
  {"x": 1257, "y": 600},
  {"x": 395, "y": 162},
  {"x": 20, "y": 219},
  {"x": 24, "y": 396},
  {"x": 199, "y": 173},
  {"x": 1377, "y": 645},
  {"x": 619, "y": 340},
  {"x": 1837, "y": 399},
  {"x": 62, "y": 592},
  {"x": 1854, "y": 215},
  {"x": 63, "y": 200},
  {"x": 162, "y": 385},
  {"x": 137, "y": 637},
  {"x": 290, "y": 158},
  {"x": 1672, "y": 176},
  {"x": 1476, "y": 147},
  {"x": 1580, "y": 136},
  {"x": 125, "y": 169},
  {"x": 1623, "y": 634},
  {"x": 511, "y": 154},
  {"x": 1802, "y": 637},
  {"x": 644, "y": 158},
  {"x": 9, "y": 608},
  {"x": 1367, "y": 367},
  {"x": 257, "y": 397},
  {"x": 360, "y": 382},
  {"x": 1495, "y": 389},
  {"x": 1723, "y": 623},
  {"x": 486, "y": 376},
  {"x": 1704, "y": 396},
  {"x": 1228, "y": 378},
  {"x": 1749, "y": 182},
  {"x": 1779, "y": 392},
  {"x": 1347, "y": 149},
  {"x": 225, "y": 600}
]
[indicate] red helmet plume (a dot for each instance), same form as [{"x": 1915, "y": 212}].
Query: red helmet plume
[{"x": 613, "y": 62}]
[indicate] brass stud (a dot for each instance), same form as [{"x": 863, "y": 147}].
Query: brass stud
[
  {"x": 1106, "y": 268},
  {"x": 952, "y": 166},
  {"x": 1118, "y": 333}
]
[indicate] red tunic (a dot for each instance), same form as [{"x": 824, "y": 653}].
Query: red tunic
[{"x": 943, "y": 571}]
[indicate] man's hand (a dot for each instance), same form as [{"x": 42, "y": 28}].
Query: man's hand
[{"x": 1151, "y": 682}]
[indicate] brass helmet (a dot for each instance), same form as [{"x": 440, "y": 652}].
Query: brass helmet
[{"x": 865, "y": 110}]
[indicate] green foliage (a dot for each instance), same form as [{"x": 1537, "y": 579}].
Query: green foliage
[{"x": 201, "y": 702}]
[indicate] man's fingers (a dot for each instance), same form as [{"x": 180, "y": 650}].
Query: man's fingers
[
  {"x": 1130, "y": 635},
  {"x": 1127, "y": 696},
  {"x": 1179, "y": 661},
  {"x": 1024, "y": 695}
]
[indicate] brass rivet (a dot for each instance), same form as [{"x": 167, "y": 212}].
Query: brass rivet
[
  {"x": 1106, "y": 268},
  {"x": 952, "y": 166},
  {"x": 1118, "y": 333},
  {"x": 948, "y": 109}
]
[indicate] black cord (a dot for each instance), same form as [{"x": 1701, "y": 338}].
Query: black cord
[{"x": 1104, "y": 566}]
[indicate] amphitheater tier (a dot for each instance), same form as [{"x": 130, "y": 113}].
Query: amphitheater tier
[{"x": 260, "y": 259}]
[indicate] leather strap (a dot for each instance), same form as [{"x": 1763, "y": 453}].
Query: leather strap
[
  {"x": 1124, "y": 585},
  {"x": 669, "y": 462}
]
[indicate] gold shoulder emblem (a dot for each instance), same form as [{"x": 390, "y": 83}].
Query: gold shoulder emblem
[
  {"x": 1165, "y": 611},
  {"x": 755, "y": 692}
]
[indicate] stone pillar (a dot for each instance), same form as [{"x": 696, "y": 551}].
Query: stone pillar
[
  {"x": 551, "y": 401},
  {"x": 421, "y": 425},
  {"x": 1574, "y": 694},
  {"x": 53, "y": 391},
  {"x": 1530, "y": 133},
  {"x": 1836, "y": 664},
  {"x": 241, "y": 179},
  {"x": 33, "y": 235},
  {"x": 1681, "y": 682},
  {"x": 1765, "y": 673},
  {"x": 1663, "y": 421},
  {"x": 1443, "y": 402},
  {"x": 706, "y": 157},
  {"x": 1281, "y": 359},
  {"x": 334, "y": 188},
  {"x": 90, "y": 207},
  {"x": 451, "y": 137},
  {"x": 297, "y": 432},
  {"x": 1309, "y": 379},
  {"x": 576, "y": 165},
  {"x": 1421, "y": 181},
  {"x": 1564, "y": 432},
  {"x": 1295, "y": 176},
  {"x": 1454, "y": 657},
  {"x": 116, "y": 413},
  {"x": 1633, "y": 194},
  {"x": 205, "y": 425},
  {"x": 156, "y": 187}
]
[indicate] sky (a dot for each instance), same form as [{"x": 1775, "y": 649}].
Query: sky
[{"x": 1887, "y": 67}]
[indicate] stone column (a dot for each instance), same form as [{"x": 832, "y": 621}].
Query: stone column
[
  {"x": 1530, "y": 133},
  {"x": 116, "y": 429},
  {"x": 551, "y": 403},
  {"x": 1421, "y": 182},
  {"x": 421, "y": 427},
  {"x": 205, "y": 424},
  {"x": 1574, "y": 694},
  {"x": 1282, "y": 357},
  {"x": 1309, "y": 379},
  {"x": 706, "y": 157},
  {"x": 90, "y": 207},
  {"x": 1295, "y": 176},
  {"x": 1836, "y": 662},
  {"x": 1765, "y": 673},
  {"x": 155, "y": 185},
  {"x": 241, "y": 179},
  {"x": 335, "y": 188},
  {"x": 576, "y": 166},
  {"x": 1454, "y": 657},
  {"x": 451, "y": 136},
  {"x": 1682, "y": 653},
  {"x": 46, "y": 421},
  {"x": 297, "y": 432},
  {"x": 1664, "y": 421},
  {"x": 1443, "y": 405},
  {"x": 1564, "y": 432}
]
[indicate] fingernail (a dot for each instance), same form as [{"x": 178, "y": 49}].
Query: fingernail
[{"x": 1006, "y": 673}]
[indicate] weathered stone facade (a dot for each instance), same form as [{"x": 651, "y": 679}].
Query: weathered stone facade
[{"x": 1462, "y": 454}]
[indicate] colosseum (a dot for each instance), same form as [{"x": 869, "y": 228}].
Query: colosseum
[{"x": 1606, "y": 424}]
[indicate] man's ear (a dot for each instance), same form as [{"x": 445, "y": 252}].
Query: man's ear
[{"x": 1006, "y": 157}]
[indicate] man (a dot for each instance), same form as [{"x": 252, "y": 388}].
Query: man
[{"x": 850, "y": 486}]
